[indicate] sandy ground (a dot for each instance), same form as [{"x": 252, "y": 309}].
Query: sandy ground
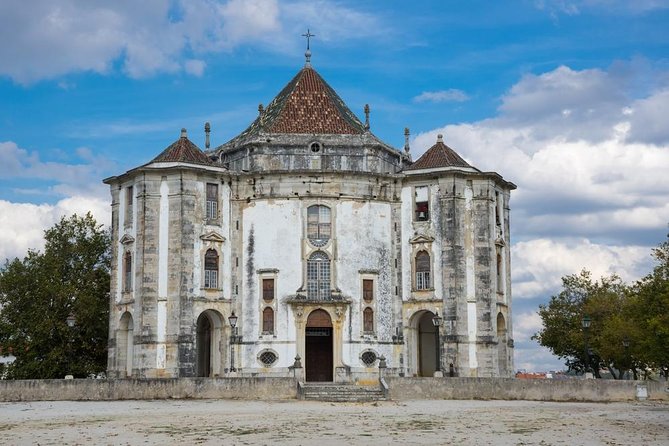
[{"x": 227, "y": 422}]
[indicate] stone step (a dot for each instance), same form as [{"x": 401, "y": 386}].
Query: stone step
[{"x": 341, "y": 392}]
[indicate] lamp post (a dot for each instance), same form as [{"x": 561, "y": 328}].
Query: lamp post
[
  {"x": 436, "y": 321},
  {"x": 71, "y": 321},
  {"x": 626, "y": 345},
  {"x": 232, "y": 319},
  {"x": 585, "y": 323}
]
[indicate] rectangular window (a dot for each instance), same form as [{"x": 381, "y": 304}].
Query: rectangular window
[
  {"x": 422, "y": 209},
  {"x": 268, "y": 290},
  {"x": 210, "y": 278},
  {"x": 422, "y": 280},
  {"x": 368, "y": 320},
  {"x": 127, "y": 272},
  {"x": 268, "y": 321},
  {"x": 212, "y": 201},
  {"x": 368, "y": 290},
  {"x": 128, "y": 205}
]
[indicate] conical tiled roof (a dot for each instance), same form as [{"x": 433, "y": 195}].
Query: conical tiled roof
[
  {"x": 439, "y": 155},
  {"x": 306, "y": 105},
  {"x": 182, "y": 151}
]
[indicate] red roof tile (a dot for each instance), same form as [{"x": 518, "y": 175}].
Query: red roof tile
[
  {"x": 182, "y": 151},
  {"x": 306, "y": 105},
  {"x": 439, "y": 155}
]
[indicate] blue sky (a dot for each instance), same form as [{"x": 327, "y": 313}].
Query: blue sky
[{"x": 568, "y": 99}]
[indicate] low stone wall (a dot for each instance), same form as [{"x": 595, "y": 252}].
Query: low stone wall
[
  {"x": 286, "y": 388},
  {"x": 148, "y": 389},
  {"x": 597, "y": 390}
]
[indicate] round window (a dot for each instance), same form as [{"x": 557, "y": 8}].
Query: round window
[
  {"x": 315, "y": 147},
  {"x": 368, "y": 358},
  {"x": 268, "y": 358}
]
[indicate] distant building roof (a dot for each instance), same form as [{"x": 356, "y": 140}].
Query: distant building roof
[
  {"x": 182, "y": 151},
  {"x": 439, "y": 155}
]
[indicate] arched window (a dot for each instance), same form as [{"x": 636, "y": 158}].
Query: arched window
[
  {"x": 211, "y": 269},
  {"x": 318, "y": 224},
  {"x": 268, "y": 321},
  {"x": 318, "y": 276},
  {"x": 368, "y": 320},
  {"x": 500, "y": 284},
  {"x": 423, "y": 271},
  {"x": 127, "y": 271}
]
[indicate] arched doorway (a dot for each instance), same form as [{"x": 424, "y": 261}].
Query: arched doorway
[
  {"x": 426, "y": 344},
  {"x": 125, "y": 345},
  {"x": 318, "y": 346},
  {"x": 208, "y": 337},
  {"x": 501, "y": 344}
]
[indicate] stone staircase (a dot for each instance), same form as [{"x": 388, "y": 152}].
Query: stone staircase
[{"x": 339, "y": 392}]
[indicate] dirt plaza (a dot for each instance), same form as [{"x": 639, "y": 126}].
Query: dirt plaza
[{"x": 235, "y": 422}]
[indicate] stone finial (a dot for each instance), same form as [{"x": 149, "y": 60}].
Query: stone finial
[
  {"x": 406, "y": 140},
  {"x": 184, "y": 133},
  {"x": 366, "y": 116},
  {"x": 440, "y": 138},
  {"x": 260, "y": 109},
  {"x": 207, "y": 130}
]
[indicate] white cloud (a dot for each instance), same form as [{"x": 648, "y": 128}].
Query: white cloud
[
  {"x": 50, "y": 39},
  {"x": 195, "y": 67},
  {"x": 539, "y": 264},
  {"x": 23, "y": 224},
  {"x": 78, "y": 184},
  {"x": 451, "y": 95}
]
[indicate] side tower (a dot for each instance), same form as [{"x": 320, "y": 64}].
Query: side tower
[
  {"x": 166, "y": 225},
  {"x": 456, "y": 275}
]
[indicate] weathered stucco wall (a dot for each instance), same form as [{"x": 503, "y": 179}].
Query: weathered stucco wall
[{"x": 522, "y": 389}]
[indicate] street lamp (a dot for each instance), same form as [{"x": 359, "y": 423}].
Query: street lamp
[
  {"x": 436, "y": 321},
  {"x": 232, "y": 319},
  {"x": 71, "y": 321},
  {"x": 626, "y": 345},
  {"x": 585, "y": 323}
]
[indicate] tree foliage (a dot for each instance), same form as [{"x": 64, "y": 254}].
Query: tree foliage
[
  {"x": 630, "y": 324},
  {"x": 38, "y": 293}
]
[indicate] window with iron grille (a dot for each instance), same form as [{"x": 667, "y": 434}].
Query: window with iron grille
[
  {"x": 423, "y": 271},
  {"x": 368, "y": 320},
  {"x": 368, "y": 358},
  {"x": 318, "y": 276},
  {"x": 268, "y": 321},
  {"x": 422, "y": 208},
  {"x": 367, "y": 290},
  {"x": 127, "y": 271},
  {"x": 318, "y": 224},
  {"x": 267, "y": 358},
  {"x": 268, "y": 290},
  {"x": 211, "y": 269},
  {"x": 212, "y": 201}
]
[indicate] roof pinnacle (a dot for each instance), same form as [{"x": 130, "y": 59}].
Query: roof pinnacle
[
  {"x": 440, "y": 138},
  {"x": 366, "y": 116},
  {"x": 307, "y": 54},
  {"x": 184, "y": 134}
]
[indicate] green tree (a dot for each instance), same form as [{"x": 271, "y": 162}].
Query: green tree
[
  {"x": 650, "y": 313},
  {"x": 605, "y": 301},
  {"x": 40, "y": 292}
]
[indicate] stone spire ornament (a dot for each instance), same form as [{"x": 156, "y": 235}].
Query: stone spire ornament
[
  {"x": 307, "y": 54},
  {"x": 366, "y": 116}
]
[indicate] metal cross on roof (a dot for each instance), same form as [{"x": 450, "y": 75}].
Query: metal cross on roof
[
  {"x": 307, "y": 54},
  {"x": 308, "y": 35}
]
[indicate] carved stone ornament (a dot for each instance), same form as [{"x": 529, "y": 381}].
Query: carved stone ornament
[
  {"x": 421, "y": 238},
  {"x": 213, "y": 236},
  {"x": 126, "y": 239}
]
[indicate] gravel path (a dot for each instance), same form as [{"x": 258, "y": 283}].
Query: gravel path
[{"x": 214, "y": 422}]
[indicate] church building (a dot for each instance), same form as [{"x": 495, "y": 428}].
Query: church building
[{"x": 308, "y": 242}]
